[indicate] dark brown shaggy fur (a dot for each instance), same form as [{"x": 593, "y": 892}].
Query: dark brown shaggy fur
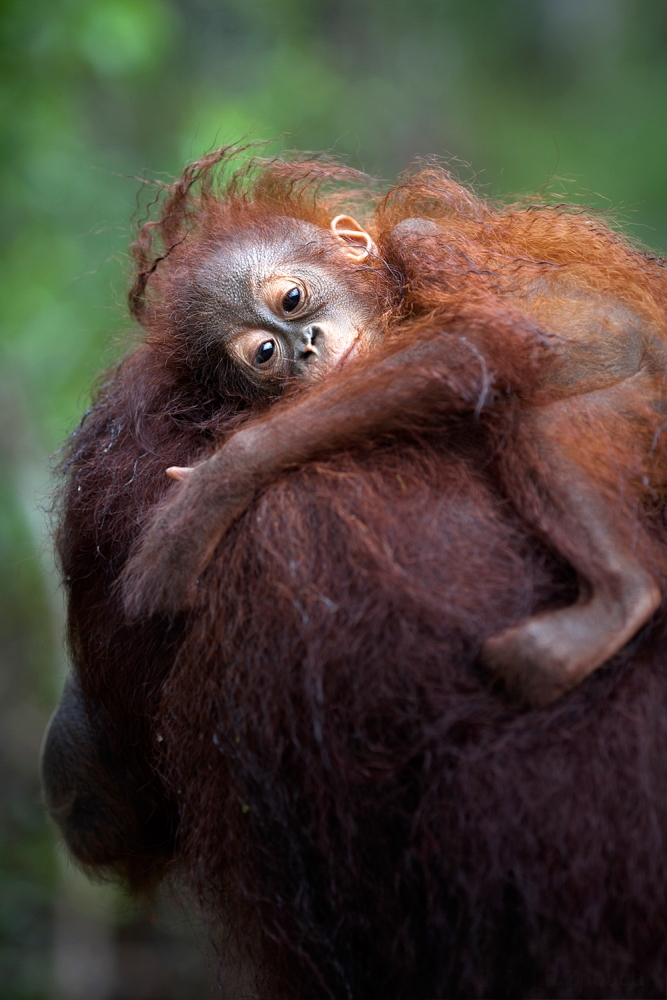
[{"x": 314, "y": 746}]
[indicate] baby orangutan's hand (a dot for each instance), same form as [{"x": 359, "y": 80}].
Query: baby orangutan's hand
[{"x": 180, "y": 539}]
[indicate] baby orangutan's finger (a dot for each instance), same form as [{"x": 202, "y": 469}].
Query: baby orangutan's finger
[{"x": 178, "y": 472}]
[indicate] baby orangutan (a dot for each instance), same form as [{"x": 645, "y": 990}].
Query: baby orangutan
[{"x": 541, "y": 324}]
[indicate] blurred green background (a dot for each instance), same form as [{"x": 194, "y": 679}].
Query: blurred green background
[{"x": 523, "y": 96}]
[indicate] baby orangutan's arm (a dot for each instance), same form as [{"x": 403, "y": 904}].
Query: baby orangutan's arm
[
  {"x": 536, "y": 660},
  {"x": 409, "y": 389}
]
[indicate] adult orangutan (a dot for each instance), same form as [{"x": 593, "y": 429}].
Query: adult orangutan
[
  {"x": 427, "y": 316},
  {"x": 313, "y": 746}
]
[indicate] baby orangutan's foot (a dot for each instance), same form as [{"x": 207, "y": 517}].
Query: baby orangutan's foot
[
  {"x": 532, "y": 665},
  {"x": 542, "y": 658}
]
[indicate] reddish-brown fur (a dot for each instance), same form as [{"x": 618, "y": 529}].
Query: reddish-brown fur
[
  {"x": 548, "y": 327},
  {"x": 369, "y": 817}
]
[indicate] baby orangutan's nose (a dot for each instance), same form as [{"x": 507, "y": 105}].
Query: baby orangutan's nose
[{"x": 308, "y": 348}]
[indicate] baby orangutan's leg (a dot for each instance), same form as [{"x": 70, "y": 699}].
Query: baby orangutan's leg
[{"x": 542, "y": 657}]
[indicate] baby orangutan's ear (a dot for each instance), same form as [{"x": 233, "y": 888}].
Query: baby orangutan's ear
[{"x": 357, "y": 244}]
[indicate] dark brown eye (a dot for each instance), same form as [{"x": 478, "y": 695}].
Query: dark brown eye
[
  {"x": 265, "y": 352},
  {"x": 291, "y": 300}
]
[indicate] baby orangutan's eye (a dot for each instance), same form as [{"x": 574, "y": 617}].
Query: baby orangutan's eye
[
  {"x": 285, "y": 296},
  {"x": 265, "y": 352},
  {"x": 291, "y": 300},
  {"x": 258, "y": 350}
]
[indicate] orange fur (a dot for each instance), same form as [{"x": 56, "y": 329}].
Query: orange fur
[{"x": 543, "y": 314}]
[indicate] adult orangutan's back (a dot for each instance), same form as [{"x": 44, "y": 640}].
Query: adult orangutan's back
[
  {"x": 385, "y": 825},
  {"x": 334, "y": 774}
]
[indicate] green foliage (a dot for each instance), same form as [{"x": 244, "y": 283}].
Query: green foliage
[{"x": 537, "y": 95}]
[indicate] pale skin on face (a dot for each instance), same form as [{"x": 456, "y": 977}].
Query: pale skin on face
[{"x": 294, "y": 321}]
